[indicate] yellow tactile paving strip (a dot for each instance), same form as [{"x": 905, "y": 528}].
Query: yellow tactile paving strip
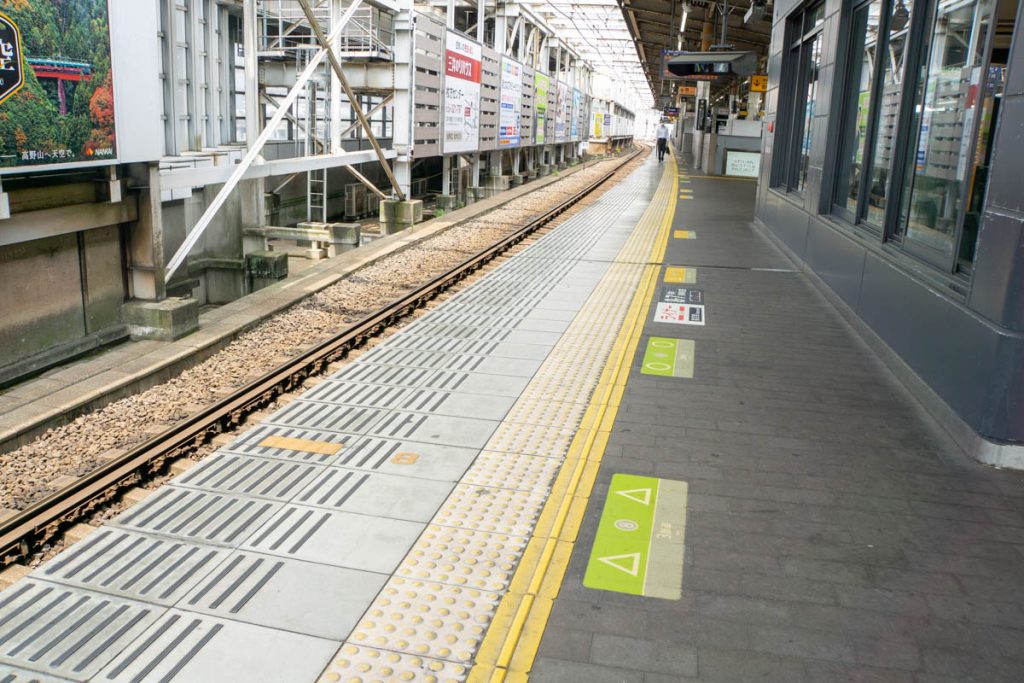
[{"x": 473, "y": 571}]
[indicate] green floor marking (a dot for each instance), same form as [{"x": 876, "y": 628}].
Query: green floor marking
[
  {"x": 640, "y": 538},
  {"x": 666, "y": 357}
]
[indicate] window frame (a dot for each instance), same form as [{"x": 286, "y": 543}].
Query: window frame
[
  {"x": 799, "y": 40},
  {"x": 907, "y": 138},
  {"x": 950, "y": 265}
]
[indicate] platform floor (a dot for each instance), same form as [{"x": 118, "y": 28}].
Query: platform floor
[{"x": 468, "y": 501}]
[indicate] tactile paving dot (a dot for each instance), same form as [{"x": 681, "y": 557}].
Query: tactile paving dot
[
  {"x": 531, "y": 439},
  {"x": 503, "y": 511},
  {"x": 513, "y": 471},
  {"x": 553, "y": 413},
  {"x": 463, "y": 557},
  {"x": 354, "y": 664},
  {"x": 427, "y": 619}
]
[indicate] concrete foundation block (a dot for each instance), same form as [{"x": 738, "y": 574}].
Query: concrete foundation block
[
  {"x": 265, "y": 268},
  {"x": 447, "y": 202},
  {"x": 267, "y": 264},
  {"x": 165, "y": 320},
  {"x": 543, "y": 170},
  {"x": 478, "y": 193},
  {"x": 346, "y": 233}
]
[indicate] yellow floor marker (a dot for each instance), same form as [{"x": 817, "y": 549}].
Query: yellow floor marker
[
  {"x": 679, "y": 275},
  {"x": 684, "y": 234},
  {"x": 304, "y": 445}
]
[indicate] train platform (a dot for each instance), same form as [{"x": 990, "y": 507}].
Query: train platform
[{"x": 645, "y": 448}]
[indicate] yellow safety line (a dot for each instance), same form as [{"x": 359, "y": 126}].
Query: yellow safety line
[{"x": 511, "y": 643}]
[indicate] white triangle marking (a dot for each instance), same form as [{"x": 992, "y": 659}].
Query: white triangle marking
[
  {"x": 643, "y": 499},
  {"x": 615, "y": 561}
]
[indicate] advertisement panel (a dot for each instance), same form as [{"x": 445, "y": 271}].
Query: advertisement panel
[
  {"x": 55, "y": 77},
  {"x": 509, "y": 127},
  {"x": 541, "y": 83},
  {"x": 561, "y": 116},
  {"x": 461, "y": 94},
  {"x": 577, "y": 102},
  {"x": 598, "y": 126}
]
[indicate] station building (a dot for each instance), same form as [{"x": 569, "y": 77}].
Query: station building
[
  {"x": 154, "y": 150},
  {"x": 892, "y": 170}
]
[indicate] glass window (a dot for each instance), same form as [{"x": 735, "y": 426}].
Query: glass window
[
  {"x": 952, "y": 95},
  {"x": 871, "y": 111},
  {"x": 864, "y": 44},
  {"x": 805, "y": 58},
  {"x": 891, "y": 82}
]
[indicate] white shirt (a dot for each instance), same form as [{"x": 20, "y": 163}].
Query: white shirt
[{"x": 662, "y": 133}]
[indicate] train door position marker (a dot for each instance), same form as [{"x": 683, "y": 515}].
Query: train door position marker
[
  {"x": 666, "y": 357},
  {"x": 640, "y": 539}
]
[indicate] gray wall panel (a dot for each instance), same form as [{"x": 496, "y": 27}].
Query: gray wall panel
[
  {"x": 998, "y": 288},
  {"x": 837, "y": 259},
  {"x": 790, "y": 223},
  {"x": 956, "y": 354}
]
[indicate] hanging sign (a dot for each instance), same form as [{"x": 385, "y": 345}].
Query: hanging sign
[
  {"x": 511, "y": 103},
  {"x": 759, "y": 83},
  {"x": 461, "y": 94},
  {"x": 687, "y": 91}
]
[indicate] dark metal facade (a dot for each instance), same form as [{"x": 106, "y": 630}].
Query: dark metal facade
[{"x": 962, "y": 333}]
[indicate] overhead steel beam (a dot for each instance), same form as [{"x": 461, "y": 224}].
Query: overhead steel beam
[
  {"x": 325, "y": 43},
  {"x": 214, "y": 175},
  {"x": 247, "y": 161}
]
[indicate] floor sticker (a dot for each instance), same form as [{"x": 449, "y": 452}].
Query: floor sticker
[
  {"x": 684, "y": 234},
  {"x": 680, "y": 314},
  {"x": 680, "y": 275},
  {"x": 682, "y": 295},
  {"x": 666, "y": 357},
  {"x": 640, "y": 539}
]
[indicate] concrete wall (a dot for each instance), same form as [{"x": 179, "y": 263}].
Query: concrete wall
[{"x": 965, "y": 343}]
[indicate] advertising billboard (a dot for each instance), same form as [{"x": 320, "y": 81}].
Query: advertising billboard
[
  {"x": 540, "y": 106},
  {"x": 461, "y": 94},
  {"x": 598, "y": 126},
  {"x": 509, "y": 127},
  {"x": 561, "y": 115},
  {"x": 57, "y": 96},
  {"x": 577, "y": 102}
]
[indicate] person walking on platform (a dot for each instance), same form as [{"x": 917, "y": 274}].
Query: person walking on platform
[{"x": 662, "y": 135}]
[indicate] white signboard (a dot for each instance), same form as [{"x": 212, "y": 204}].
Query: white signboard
[
  {"x": 461, "y": 94},
  {"x": 511, "y": 103},
  {"x": 681, "y": 314},
  {"x": 562, "y": 107},
  {"x": 742, "y": 164}
]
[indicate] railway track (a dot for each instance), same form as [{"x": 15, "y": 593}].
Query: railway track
[{"x": 20, "y": 534}]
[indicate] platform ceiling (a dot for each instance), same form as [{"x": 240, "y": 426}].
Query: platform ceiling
[{"x": 654, "y": 26}]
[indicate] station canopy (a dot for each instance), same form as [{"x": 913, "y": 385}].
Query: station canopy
[
  {"x": 596, "y": 29},
  {"x": 677, "y": 25}
]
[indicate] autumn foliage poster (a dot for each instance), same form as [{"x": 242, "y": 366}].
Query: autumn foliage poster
[{"x": 64, "y": 111}]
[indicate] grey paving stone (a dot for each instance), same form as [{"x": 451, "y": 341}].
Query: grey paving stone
[
  {"x": 547, "y": 669},
  {"x": 743, "y": 666},
  {"x": 644, "y": 655}
]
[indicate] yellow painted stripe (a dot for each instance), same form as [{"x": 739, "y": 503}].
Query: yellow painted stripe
[
  {"x": 511, "y": 643},
  {"x": 306, "y": 445}
]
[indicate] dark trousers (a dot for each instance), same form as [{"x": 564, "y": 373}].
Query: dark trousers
[{"x": 662, "y": 148}]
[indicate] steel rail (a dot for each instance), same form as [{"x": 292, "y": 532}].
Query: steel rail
[{"x": 42, "y": 520}]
